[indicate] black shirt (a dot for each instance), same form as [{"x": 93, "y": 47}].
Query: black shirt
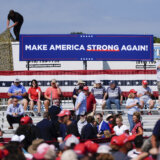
[
  {"x": 53, "y": 111},
  {"x": 16, "y": 18},
  {"x": 72, "y": 129}
]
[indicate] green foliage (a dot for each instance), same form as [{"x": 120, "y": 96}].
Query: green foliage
[
  {"x": 77, "y": 33},
  {"x": 156, "y": 40}
]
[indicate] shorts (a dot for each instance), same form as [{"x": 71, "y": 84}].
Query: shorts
[
  {"x": 158, "y": 87},
  {"x": 145, "y": 100},
  {"x": 100, "y": 101}
]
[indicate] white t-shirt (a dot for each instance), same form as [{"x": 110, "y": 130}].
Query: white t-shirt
[
  {"x": 133, "y": 153},
  {"x": 120, "y": 130},
  {"x": 142, "y": 91},
  {"x": 131, "y": 101}
]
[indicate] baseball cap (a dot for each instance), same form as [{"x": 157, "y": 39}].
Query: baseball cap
[
  {"x": 64, "y": 113},
  {"x": 53, "y": 81},
  {"x": 68, "y": 155},
  {"x": 144, "y": 82},
  {"x": 112, "y": 82},
  {"x": 80, "y": 149},
  {"x": 91, "y": 146},
  {"x": 17, "y": 80},
  {"x": 45, "y": 151},
  {"x": 97, "y": 82},
  {"x": 71, "y": 139},
  {"x": 16, "y": 138},
  {"x": 103, "y": 149},
  {"x": 85, "y": 88},
  {"x": 132, "y": 91},
  {"x": 26, "y": 120},
  {"x": 122, "y": 139}
]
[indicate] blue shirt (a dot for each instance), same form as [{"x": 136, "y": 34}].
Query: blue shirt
[
  {"x": 103, "y": 126},
  {"x": 19, "y": 89},
  {"x": 82, "y": 100},
  {"x": 15, "y": 109}
]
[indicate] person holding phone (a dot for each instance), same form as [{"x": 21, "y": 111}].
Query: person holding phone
[
  {"x": 133, "y": 105},
  {"x": 51, "y": 93}
]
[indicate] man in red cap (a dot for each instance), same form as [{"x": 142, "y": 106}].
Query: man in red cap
[
  {"x": 91, "y": 101},
  {"x": 123, "y": 142},
  {"x": 71, "y": 127},
  {"x": 145, "y": 93}
]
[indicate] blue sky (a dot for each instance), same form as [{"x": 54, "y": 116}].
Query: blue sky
[{"x": 88, "y": 16}]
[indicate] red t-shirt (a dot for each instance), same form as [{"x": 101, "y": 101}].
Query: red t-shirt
[
  {"x": 34, "y": 92},
  {"x": 90, "y": 102},
  {"x": 53, "y": 91}
]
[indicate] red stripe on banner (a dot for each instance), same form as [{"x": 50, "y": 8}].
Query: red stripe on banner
[
  {"x": 70, "y": 94},
  {"x": 76, "y": 72}
]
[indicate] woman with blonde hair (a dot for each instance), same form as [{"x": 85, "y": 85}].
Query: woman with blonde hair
[
  {"x": 120, "y": 128},
  {"x": 133, "y": 105}
]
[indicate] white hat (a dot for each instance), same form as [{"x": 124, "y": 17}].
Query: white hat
[
  {"x": 17, "y": 138},
  {"x": 103, "y": 149},
  {"x": 70, "y": 140},
  {"x": 97, "y": 82},
  {"x": 69, "y": 155},
  {"x": 17, "y": 80}
]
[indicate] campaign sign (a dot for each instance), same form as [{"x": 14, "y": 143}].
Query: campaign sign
[{"x": 86, "y": 47}]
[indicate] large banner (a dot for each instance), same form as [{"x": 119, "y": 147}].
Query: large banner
[{"x": 86, "y": 47}]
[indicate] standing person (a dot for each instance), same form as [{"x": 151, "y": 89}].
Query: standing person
[
  {"x": 34, "y": 95},
  {"x": 14, "y": 113},
  {"x": 80, "y": 106},
  {"x": 144, "y": 94},
  {"x": 99, "y": 93},
  {"x": 120, "y": 128},
  {"x": 114, "y": 95},
  {"x": 133, "y": 105},
  {"x": 89, "y": 131},
  {"x": 75, "y": 91},
  {"x": 45, "y": 126},
  {"x": 17, "y": 18},
  {"x": 18, "y": 91},
  {"x": 137, "y": 129},
  {"x": 81, "y": 123},
  {"x": 51, "y": 93},
  {"x": 54, "y": 110},
  {"x": 91, "y": 101},
  {"x": 71, "y": 127},
  {"x": 102, "y": 125}
]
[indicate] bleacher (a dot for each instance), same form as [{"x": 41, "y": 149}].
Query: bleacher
[{"x": 66, "y": 103}]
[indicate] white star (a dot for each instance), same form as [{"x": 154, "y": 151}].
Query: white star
[
  {"x": 48, "y": 83},
  {"x": 12, "y": 83},
  {"x": 58, "y": 83},
  {"x": 154, "y": 82},
  {"x": 128, "y": 83},
  {"x": 3, "y": 84},
  {"x": 39, "y": 83},
  {"x": 74, "y": 83},
  {"x": 66, "y": 83},
  {"x": 137, "y": 82},
  {"x": 29, "y": 83},
  {"x": 21, "y": 83},
  {"x": 119, "y": 83}
]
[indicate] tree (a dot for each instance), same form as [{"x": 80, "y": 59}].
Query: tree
[{"x": 156, "y": 40}]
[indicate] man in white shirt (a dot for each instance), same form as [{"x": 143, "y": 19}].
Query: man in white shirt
[
  {"x": 158, "y": 78},
  {"x": 144, "y": 94}
]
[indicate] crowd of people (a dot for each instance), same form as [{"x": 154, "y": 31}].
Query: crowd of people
[
  {"x": 72, "y": 133},
  {"x": 65, "y": 139}
]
